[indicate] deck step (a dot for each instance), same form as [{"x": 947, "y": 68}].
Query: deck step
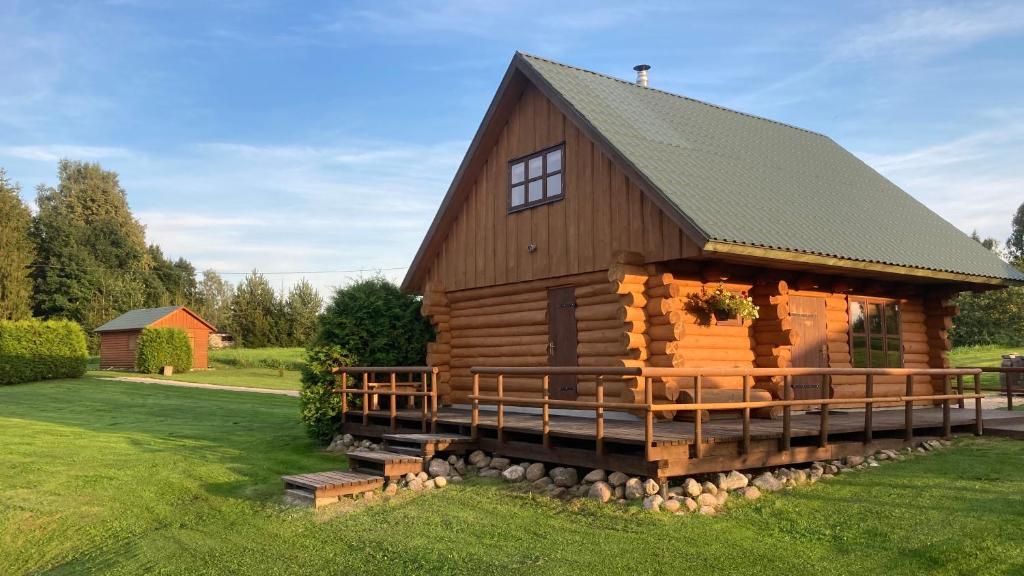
[
  {"x": 407, "y": 450},
  {"x": 391, "y": 465},
  {"x": 321, "y": 488},
  {"x": 428, "y": 444}
]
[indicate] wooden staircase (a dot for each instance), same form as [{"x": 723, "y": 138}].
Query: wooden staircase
[{"x": 403, "y": 453}]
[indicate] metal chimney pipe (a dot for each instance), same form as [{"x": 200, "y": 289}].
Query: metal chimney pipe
[{"x": 641, "y": 74}]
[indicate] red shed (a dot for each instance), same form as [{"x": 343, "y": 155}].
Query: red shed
[{"x": 118, "y": 337}]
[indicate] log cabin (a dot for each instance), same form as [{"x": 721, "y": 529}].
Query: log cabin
[
  {"x": 118, "y": 337},
  {"x": 588, "y": 209}
]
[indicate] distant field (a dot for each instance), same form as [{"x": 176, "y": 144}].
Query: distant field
[
  {"x": 980, "y": 357},
  {"x": 275, "y": 368},
  {"x": 288, "y": 358}
]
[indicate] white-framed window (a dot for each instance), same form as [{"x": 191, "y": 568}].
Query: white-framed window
[{"x": 536, "y": 178}]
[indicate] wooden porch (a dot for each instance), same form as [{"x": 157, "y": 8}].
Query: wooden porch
[{"x": 584, "y": 434}]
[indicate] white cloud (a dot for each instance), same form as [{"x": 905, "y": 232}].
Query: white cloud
[
  {"x": 970, "y": 180},
  {"x": 55, "y": 152},
  {"x": 930, "y": 30}
]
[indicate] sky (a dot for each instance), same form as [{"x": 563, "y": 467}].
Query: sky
[{"x": 316, "y": 139}]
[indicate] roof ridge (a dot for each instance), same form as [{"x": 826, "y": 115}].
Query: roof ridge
[{"x": 667, "y": 93}]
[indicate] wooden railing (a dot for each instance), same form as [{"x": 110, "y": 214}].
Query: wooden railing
[
  {"x": 648, "y": 408},
  {"x": 419, "y": 382},
  {"x": 1011, "y": 384}
]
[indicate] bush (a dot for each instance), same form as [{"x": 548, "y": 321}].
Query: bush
[
  {"x": 994, "y": 317},
  {"x": 377, "y": 324},
  {"x": 35, "y": 350},
  {"x": 319, "y": 405},
  {"x": 159, "y": 347}
]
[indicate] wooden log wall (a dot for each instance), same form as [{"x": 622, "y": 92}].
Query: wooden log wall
[
  {"x": 773, "y": 335},
  {"x": 937, "y": 310},
  {"x": 436, "y": 309}
]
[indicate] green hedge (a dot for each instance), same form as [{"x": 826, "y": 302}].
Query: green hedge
[
  {"x": 159, "y": 347},
  {"x": 319, "y": 406},
  {"x": 36, "y": 350}
]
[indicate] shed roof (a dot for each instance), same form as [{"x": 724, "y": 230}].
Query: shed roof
[
  {"x": 143, "y": 317},
  {"x": 743, "y": 184}
]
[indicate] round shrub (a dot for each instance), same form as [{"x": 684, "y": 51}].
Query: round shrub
[
  {"x": 159, "y": 347},
  {"x": 376, "y": 324},
  {"x": 319, "y": 406},
  {"x": 33, "y": 350}
]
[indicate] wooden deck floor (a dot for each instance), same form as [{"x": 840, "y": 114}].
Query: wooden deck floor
[{"x": 714, "y": 431}]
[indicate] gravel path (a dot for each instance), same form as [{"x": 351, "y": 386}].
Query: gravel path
[{"x": 143, "y": 380}]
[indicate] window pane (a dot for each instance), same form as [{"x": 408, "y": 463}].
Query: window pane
[
  {"x": 875, "y": 318},
  {"x": 554, "y": 185},
  {"x": 892, "y": 325},
  {"x": 536, "y": 166},
  {"x": 859, "y": 348},
  {"x": 554, "y": 161},
  {"x": 877, "y": 359},
  {"x": 518, "y": 172},
  {"x": 536, "y": 190},
  {"x": 892, "y": 353},
  {"x": 518, "y": 195},
  {"x": 856, "y": 316}
]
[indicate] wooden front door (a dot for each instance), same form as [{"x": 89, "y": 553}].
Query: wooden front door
[
  {"x": 562, "y": 340},
  {"x": 811, "y": 348}
]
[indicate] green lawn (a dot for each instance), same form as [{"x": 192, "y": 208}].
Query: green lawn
[
  {"x": 247, "y": 377},
  {"x": 276, "y": 368},
  {"x": 122, "y": 478},
  {"x": 982, "y": 356}
]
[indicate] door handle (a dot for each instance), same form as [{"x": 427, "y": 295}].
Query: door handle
[{"x": 551, "y": 348}]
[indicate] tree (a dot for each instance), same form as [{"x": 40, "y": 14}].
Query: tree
[
  {"x": 254, "y": 312},
  {"x": 213, "y": 300},
  {"x": 16, "y": 253},
  {"x": 91, "y": 252},
  {"x": 301, "y": 309},
  {"x": 170, "y": 282},
  {"x": 1015, "y": 243},
  {"x": 989, "y": 243},
  {"x": 376, "y": 323}
]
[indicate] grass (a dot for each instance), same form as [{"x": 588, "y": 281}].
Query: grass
[
  {"x": 980, "y": 357},
  {"x": 274, "y": 368},
  {"x": 122, "y": 478}
]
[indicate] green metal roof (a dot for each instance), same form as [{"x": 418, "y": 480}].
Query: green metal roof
[
  {"x": 750, "y": 181},
  {"x": 136, "y": 319}
]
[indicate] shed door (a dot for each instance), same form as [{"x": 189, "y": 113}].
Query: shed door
[
  {"x": 562, "y": 340},
  {"x": 811, "y": 348}
]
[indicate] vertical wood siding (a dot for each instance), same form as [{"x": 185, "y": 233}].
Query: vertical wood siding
[{"x": 601, "y": 213}]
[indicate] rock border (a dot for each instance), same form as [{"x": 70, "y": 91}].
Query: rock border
[{"x": 704, "y": 495}]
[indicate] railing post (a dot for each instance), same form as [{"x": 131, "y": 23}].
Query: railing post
[
  {"x": 947, "y": 428},
  {"x": 344, "y": 396},
  {"x": 960, "y": 390},
  {"x": 433, "y": 401},
  {"x": 908, "y": 412},
  {"x": 411, "y": 400},
  {"x": 648, "y": 417},
  {"x": 393, "y": 403},
  {"x": 698, "y": 425},
  {"x": 366, "y": 398},
  {"x": 501, "y": 407},
  {"x": 745, "y": 447},
  {"x": 474, "y": 419},
  {"x": 599, "y": 417},
  {"x": 545, "y": 409},
  {"x": 1011, "y": 379},
  {"x": 787, "y": 413},
  {"x": 979, "y": 427},
  {"x": 424, "y": 401},
  {"x": 869, "y": 409},
  {"x": 823, "y": 425}
]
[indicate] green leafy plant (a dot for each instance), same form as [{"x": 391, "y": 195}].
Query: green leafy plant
[
  {"x": 159, "y": 347},
  {"x": 722, "y": 305},
  {"x": 33, "y": 350},
  {"x": 319, "y": 404}
]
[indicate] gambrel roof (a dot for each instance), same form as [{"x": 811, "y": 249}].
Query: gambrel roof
[{"x": 743, "y": 185}]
